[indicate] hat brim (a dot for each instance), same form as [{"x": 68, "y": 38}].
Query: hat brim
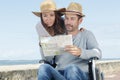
[
  {"x": 58, "y": 10},
  {"x": 73, "y": 12}
]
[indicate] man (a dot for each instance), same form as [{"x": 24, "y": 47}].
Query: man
[{"x": 72, "y": 65}]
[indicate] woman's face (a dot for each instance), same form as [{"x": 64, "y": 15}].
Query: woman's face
[{"x": 48, "y": 18}]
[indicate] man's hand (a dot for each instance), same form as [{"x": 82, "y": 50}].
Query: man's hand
[
  {"x": 82, "y": 29},
  {"x": 73, "y": 50}
]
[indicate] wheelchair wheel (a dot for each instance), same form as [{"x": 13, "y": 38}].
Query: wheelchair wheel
[{"x": 99, "y": 74}]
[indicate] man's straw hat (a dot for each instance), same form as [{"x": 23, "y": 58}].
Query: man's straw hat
[
  {"x": 47, "y": 6},
  {"x": 74, "y": 8}
]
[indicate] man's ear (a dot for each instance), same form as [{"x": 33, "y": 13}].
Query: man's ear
[{"x": 80, "y": 20}]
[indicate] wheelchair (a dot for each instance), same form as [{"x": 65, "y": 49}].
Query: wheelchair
[{"x": 94, "y": 72}]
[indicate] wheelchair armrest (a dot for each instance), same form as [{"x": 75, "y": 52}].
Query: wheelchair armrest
[
  {"x": 52, "y": 62},
  {"x": 44, "y": 61},
  {"x": 93, "y": 58}
]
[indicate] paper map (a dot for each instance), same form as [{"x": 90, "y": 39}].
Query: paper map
[{"x": 55, "y": 45}]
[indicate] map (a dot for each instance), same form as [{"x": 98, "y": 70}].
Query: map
[{"x": 55, "y": 45}]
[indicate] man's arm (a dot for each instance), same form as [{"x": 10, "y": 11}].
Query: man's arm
[{"x": 92, "y": 48}]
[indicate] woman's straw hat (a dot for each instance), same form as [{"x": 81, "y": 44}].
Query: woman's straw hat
[
  {"x": 74, "y": 8},
  {"x": 47, "y": 6}
]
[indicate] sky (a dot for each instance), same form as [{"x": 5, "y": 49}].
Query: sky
[{"x": 19, "y": 39}]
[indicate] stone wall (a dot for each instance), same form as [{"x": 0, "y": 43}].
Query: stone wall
[
  {"x": 19, "y": 75},
  {"x": 109, "y": 68},
  {"x": 19, "y": 72},
  {"x": 29, "y": 72}
]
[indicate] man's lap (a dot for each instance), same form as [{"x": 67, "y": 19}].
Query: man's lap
[{"x": 61, "y": 74}]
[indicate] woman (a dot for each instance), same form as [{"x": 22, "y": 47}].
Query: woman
[
  {"x": 51, "y": 20},
  {"x": 51, "y": 23}
]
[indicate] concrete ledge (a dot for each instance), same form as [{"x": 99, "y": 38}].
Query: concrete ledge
[
  {"x": 108, "y": 66},
  {"x": 29, "y": 72},
  {"x": 110, "y": 69},
  {"x": 18, "y": 67},
  {"x": 19, "y": 72}
]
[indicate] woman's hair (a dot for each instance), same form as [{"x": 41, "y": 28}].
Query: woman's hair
[{"x": 58, "y": 26}]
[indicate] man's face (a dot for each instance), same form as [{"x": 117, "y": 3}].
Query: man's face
[{"x": 72, "y": 22}]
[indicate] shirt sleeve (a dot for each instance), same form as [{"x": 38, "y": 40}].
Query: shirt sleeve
[
  {"x": 92, "y": 47},
  {"x": 41, "y": 31}
]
